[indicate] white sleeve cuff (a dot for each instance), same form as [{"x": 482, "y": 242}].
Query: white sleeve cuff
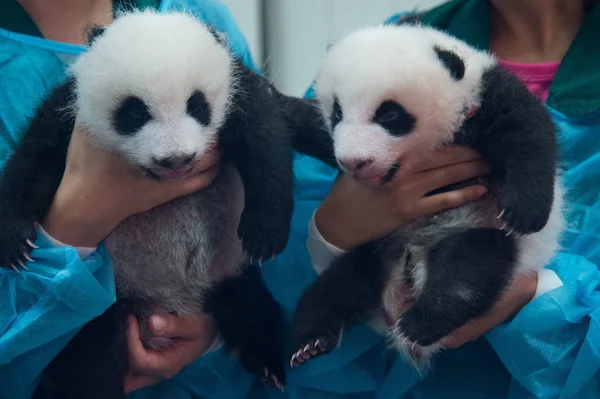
[
  {"x": 547, "y": 281},
  {"x": 83, "y": 252},
  {"x": 320, "y": 251}
]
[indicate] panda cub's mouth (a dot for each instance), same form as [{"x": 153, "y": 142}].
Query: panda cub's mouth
[{"x": 165, "y": 174}]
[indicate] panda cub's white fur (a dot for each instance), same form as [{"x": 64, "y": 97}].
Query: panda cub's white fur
[{"x": 117, "y": 69}]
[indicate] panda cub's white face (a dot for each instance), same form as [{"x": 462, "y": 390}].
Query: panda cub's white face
[
  {"x": 155, "y": 87},
  {"x": 388, "y": 91}
]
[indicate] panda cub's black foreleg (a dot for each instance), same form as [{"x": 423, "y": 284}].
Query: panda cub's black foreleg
[
  {"x": 31, "y": 177},
  {"x": 466, "y": 274},
  {"x": 348, "y": 292},
  {"x": 250, "y": 323},
  {"x": 310, "y": 133},
  {"x": 519, "y": 142},
  {"x": 257, "y": 140}
]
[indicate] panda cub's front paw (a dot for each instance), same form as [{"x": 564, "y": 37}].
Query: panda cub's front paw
[
  {"x": 523, "y": 211},
  {"x": 16, "y": 243},
  {"x": 263, "y": 238}
]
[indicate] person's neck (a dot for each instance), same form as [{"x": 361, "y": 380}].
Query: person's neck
[
  {"x": 66, "y": 20},
  {"x": 534, "y": 31}
]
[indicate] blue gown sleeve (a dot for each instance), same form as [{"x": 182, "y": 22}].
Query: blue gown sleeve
[
  {"x": 552, "y": 347},
  {"x": 42, "y": 308}
]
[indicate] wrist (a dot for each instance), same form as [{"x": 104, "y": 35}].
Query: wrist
[
  {"x": 330, "y": 224},
  {"x": 321, "y": 251},
  {"x": 75, "y": 221},
  {"x": 526, "y": 286}
]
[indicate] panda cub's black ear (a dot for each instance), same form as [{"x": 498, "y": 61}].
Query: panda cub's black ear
[
  {"x": 93, "y": 32},
  {"x": 452, "y": 62}
]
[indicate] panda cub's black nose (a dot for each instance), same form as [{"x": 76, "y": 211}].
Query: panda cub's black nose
[{"x": 175, "y": 162}]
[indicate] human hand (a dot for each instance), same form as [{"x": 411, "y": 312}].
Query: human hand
[
  {"x": 192, "y": 336},
  {"x": 353, "y": 214},
  {"x": 99, "y": 190},
  {"x": 520, "y": 294}
]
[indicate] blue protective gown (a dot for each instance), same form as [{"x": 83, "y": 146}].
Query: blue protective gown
[{"x": 551, "y": 349}]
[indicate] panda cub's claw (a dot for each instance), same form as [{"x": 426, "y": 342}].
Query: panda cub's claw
[
  {"x": 26, "y": 256},
  {"x": 16, "y": 243},
  {"x": 261, "y": 240},
  {"x": 504, "y": 227},
  {"x": 310, "y": 350},
  {"x": 523, "y": 214},
  {"x": 272, "y": 380}
]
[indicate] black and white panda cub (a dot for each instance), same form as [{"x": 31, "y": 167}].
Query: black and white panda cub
[
  {"x": 388, "y": 91},
  {"x": 162, "y": 90}
]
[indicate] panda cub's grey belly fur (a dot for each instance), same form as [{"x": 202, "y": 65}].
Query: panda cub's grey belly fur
[{"x": 167, "y": 258}]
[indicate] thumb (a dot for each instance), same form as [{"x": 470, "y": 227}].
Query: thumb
[
  {"x": 183, "y": 327},
  {"x": 197, "y": 182}
]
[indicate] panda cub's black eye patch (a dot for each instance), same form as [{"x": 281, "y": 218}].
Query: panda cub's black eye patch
[
  {"x": 336, "y": 113},
  {"x": 131, "y": 116},
  {"x": 198, "y": 108},
  {"x": 394, "y": 118}
]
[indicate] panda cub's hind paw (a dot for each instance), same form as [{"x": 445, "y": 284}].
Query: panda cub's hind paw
[{"x": 264, "y": 359}]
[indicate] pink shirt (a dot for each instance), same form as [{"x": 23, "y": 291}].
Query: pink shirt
[{"x": 537, "y": 77}]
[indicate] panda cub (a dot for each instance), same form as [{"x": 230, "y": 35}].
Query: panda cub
[
  {"x": 161, "y": 90},
  {"x": 389, "y": 91}
]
